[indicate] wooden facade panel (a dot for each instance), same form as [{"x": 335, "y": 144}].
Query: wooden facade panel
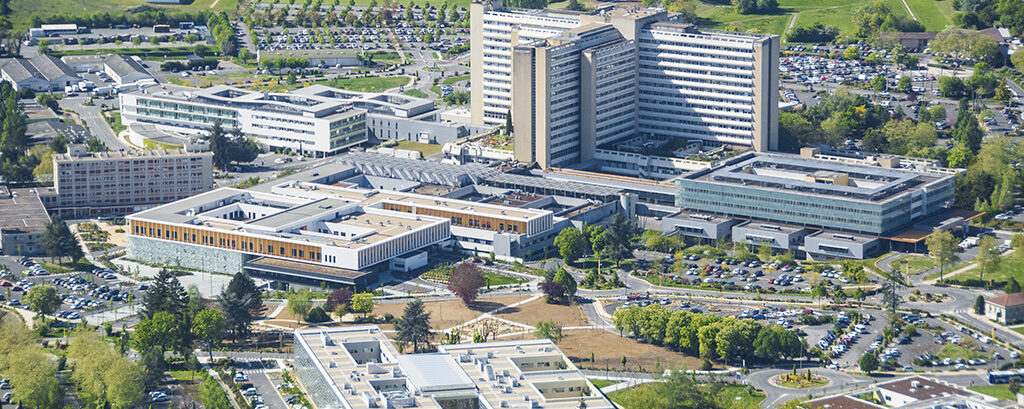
[
  {"x": 464, "y": 219},
  {"x": 225, "y": 240}
]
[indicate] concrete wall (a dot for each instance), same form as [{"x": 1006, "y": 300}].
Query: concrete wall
[
  {"x": 387, "y": 127},
  {"x": 21, "y": 244},
  {"x": 825, "y": 246}
]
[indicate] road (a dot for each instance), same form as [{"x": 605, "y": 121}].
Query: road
[{"x": 97, "y": 125}]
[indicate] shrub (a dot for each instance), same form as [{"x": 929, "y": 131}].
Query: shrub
[{"x": 317, "y": 314}]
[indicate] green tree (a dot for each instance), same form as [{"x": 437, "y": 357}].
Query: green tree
[
  {"x": 819, "y": 291},
  {"x": 164, "y": 295},
  {"x": 966, "y": 130},
  {"x": 568, "y": 284},
  {"x": 878, "y": 83},
  {"x": 43, "y": 299},
  {"x": 571, "y": 244},
  {"x": 212, "y": 395},
  {"x": 942, "y": 247},
  {"x": 35, "y": 383},
  {"x": 868, "y": 363},
  {"x": 60, "y": 242},
  {"x": 851, "y": 53},
  {"x": 1012, "y": 286},
  {"x": 299, "y": 304},
  {"x": 548, "y": 329},
  {"x": 890, "y": 291},
  {"x": 952, "y": 87},
  {"x": 362, "y": 302},
  {"x": 989, "y": 256},
  {"x": 241, "y": 302},
  {"x": 160, "y": 330},
  {"x": 903, "y": 85},
  {"x": 209, "y": 326},
  {"x": 979, "y": 305},
  {"x": 413, "y": 327}
]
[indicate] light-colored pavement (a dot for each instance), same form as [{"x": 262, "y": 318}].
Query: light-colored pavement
[{"x": 95, "y": 121}]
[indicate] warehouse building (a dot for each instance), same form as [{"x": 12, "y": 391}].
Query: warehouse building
[
  {"x": 359, "y": 367},
  {"x": 40, "y": 74}
]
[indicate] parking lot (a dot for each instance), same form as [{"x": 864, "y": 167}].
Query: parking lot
[
  {"x": 732, "y": 274},
  {"x": 257, "y": 384},
  {"x": 85, "y": 294}
]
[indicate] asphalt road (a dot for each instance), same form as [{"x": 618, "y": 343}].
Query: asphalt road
[{"x": 94, "y": 121}]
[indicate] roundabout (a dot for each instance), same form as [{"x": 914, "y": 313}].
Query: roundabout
[{"x": 796, "y": 380}]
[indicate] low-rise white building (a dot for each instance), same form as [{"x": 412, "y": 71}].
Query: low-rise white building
[{"x": 41, "y": 73}]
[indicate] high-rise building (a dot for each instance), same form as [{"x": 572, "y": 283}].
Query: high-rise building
[{"x": 574, "y": 82}]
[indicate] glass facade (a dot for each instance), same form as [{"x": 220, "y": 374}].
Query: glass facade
[
  {"x": 315, "y": 381},
  {"x": 812, "y": 210}
]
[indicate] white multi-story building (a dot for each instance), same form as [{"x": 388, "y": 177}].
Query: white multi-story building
[
  {"x": 306, "y": 123},
  {"x": 573, "y": 82}
]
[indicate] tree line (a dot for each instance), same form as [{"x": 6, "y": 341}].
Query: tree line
[
  {"x": 143, "y": 16},
  {"x": 15, "y": 163},
  {"x": 710, "y": 337}
]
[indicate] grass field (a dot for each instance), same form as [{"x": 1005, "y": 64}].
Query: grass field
[
  {"x": 501, "y": 279},
  {"x": 416, "y": 93},
  {"x": 1011, "y": 266},
  {"x": 23, "y": 10},
  {"x": 935, "y": 15},
  {"x": 141, "y": 51},
  {"x": 1019, "y": 330},
  {"x": 915, "y": 264},
  {"x": 731, "y": 396},
  {"x": 452, "y": 80},
  {"x": 114, "y": 120},
  {"x": 601, "y": 384},
  {"x": 1001, "y": 392},
  {"x": 952, "y": 351},
  {"x": 185, "y": 376},
  {"x": 426, "y": 149}
]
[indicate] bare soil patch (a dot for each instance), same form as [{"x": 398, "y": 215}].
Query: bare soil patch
[
  {"x": 609, "y": 348},
  {"x": 446, "y": 314},
  {"x": 536, "y": 310}
]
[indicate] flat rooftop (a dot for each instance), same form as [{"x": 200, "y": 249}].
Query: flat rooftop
[
  {"x": 125, "y": 154},
  {"x": 843, "y": 237},
  {"x": 793, "y": 174},
  {"x": 361, "y": 365},
  {"x": 769, "y": 227},
  {"x": 699, "y": 217},
  {"x": 22, "y": 211}
]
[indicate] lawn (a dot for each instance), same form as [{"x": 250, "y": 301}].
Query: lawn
[
  {"x": 1001, "y": 392},
  {"x": 154, "y": 145},
  {"x": 23, "y": 10},
  {"x": 446, "y": 314},
  {"x": 1019, "y": 330},
  {"x": 185, "y": 376},
  {"x": 953, "y": 351},
  {"x": 839, "y": 13},
  {"x": 501, "y": 279},
  {"x": 426, "y": 149},
  {"x": 416, "y": 93},
  {"x": 362, "y": 84},
  {"x": 915, "y": 264},
  {"x": 453, "y": 80},
  {"x": 731, "y": 396},
  {"x": 1011, "y": 266},
  {"x": 601, "y": 384},
  {"x": 114, "y": 120}
]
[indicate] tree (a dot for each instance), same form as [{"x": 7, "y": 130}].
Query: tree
[
  {"x": 952, "y": 87},
  {"x": 552, "y": 290},
  {"x": 339, "y": 298},
  {"x": 43, "y": 299},
  {"x": 362, "y": 302},
  {"x": 35, "y": 383},
  {"x": 299, "y": 304},
  {"x": 414, "y": 325},
  {"x": 241, "y": 303},
  {"x": 890, "y": 291},
  {"x": 567, "y": 282},
  {"x": 903, "y": 85},
  {"x": 160, "y": 330},
  {"x": 575, "y": 5},
  {"x": 621, "y": 230},
  {"x": 165, "y": 295},
  {"x": 878, "y": 83},
  {"x": 979, "y": 305},
  {"x": 1012, "y": 286},
  {"x": 571, "y": 244},
  {"x": 465, "y": 281},
  {"x": 60, "y": 242},
  {"x": 819, "y": 291},
  {"x": 212, "y": 395},
  {"x": 868, "y": 362},
  {"x": 851, "y": 53},
  {"x": 942, "y": 247},
  {"x": 988, "y": 257},
  {"x": 860, "y": 295},
  {"x": 209, "y": 326},
  {"x": 548, "y": 329}
]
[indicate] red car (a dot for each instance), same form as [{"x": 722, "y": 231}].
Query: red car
[{"x": 5, "y": 283}]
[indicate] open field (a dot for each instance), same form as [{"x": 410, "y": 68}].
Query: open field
[
  {"x": 1001, "y": 392},
  {"x": 915, "y": 264},
  {"x": 1019, "y": 330},
  {"x": 609, "y": 348},
  {"x": 416, "y": 93},
  {"x": 600, "y": 384},
  {"x": 23, "y": 10},
  {"x": 1011, "y": 266},
  {"x": 935, "y": 15},
  {"x": 952, "y": 351},
  {"x": 536, "y": 310}
]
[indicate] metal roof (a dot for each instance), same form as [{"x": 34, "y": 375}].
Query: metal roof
[
  {"x": 508, "y": 179},
  {"x": 124, "y": 65},
  {"x": 435, "y": 371}
]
